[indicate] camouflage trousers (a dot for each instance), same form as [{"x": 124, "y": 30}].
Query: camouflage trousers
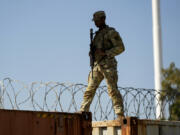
[{"x": 111, "y": 77}]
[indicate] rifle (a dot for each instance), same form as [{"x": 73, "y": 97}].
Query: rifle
[{"x": 92, "y": 51}]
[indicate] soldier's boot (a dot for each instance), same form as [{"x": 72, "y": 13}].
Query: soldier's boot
[{"x": 80, "y": 112}]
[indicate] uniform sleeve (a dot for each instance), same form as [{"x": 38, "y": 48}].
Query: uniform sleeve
[{"x": 117, "y": 43}]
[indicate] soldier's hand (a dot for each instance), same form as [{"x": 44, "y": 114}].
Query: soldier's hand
[{"x": 100, "y": 52}]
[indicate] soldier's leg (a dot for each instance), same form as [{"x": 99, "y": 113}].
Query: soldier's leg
[
  {"x": 111, "y": 79},
  {"x": 93, "y": 84}
]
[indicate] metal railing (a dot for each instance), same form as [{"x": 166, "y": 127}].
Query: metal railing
[{"x": 67, "y": 97}]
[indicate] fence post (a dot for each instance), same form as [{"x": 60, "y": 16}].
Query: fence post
[{"x": 129, "y": 126}]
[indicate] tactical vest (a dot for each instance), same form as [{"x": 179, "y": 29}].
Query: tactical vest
[{"x": 101, "y": 40}]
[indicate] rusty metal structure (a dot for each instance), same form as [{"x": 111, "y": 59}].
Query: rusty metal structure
[
  {"x": 13, "y": 122},
  {"x": 49, "y": 103},
  {"x": 52, "y": 96},
  {"x": 44, "y": 123}
]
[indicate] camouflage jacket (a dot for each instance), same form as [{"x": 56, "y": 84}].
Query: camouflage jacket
[{"x": 109, "y": 40}]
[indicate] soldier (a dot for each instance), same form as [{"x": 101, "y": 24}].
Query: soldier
[{"x": 108, "y": 44}]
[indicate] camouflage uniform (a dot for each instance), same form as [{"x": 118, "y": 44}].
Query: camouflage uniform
[{"x": 107, "y": 39}]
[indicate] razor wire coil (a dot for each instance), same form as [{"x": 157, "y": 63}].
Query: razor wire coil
[{"x": 67, "y": 97}]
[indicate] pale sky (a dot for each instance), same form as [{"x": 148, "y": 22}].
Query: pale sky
[{"x": 48, "y": 40}]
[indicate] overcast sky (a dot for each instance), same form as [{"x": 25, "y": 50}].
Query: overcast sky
[{"x": 48, "y": 40}]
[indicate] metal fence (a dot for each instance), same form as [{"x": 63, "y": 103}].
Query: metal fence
[{"x": 66, "y": 97}]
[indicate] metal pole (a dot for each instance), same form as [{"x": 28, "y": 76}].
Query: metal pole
[{"x": 157, "y": 54}]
